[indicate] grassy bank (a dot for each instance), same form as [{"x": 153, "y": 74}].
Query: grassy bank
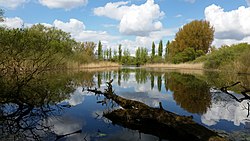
[
  {"x": 95, "y": 65},
  {"x": 193, "y": 66}
]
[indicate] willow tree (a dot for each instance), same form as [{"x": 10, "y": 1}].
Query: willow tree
[{"x": 197, "y": 35}]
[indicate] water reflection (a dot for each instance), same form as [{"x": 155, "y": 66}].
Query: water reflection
[
  {"x": 25, "y": 104},
  {"x": 49, "y": 106},
  {"x": 224, "y": 107},
  {"x": 191, "y": 93}
]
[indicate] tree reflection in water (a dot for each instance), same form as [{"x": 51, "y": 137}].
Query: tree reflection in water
[
  {"x": 152, "y": 80},
  {"x": 190, "y": 93},
  {"x": 24, "y": 106}
]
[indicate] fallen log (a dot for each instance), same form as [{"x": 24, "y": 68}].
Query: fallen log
[{"x": 156, "y": 121}]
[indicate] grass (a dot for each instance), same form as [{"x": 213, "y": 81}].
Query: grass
[
  {"x": 96, "y": 65},
  {"x": 195, "y": 66}
]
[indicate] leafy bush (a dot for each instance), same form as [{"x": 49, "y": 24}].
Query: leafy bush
[
  {"x": 226, "y": 55},
  {"x": 188, "y": 54}
]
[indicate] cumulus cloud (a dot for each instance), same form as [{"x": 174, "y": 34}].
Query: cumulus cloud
[
  {"x": 146, "y": 41},
  {"x": 65, "y": 4},
  {"x": 74, "y": 26},
  {"x": 114, "y": 10},
  {"x": 234, "y": 113},
  {"x": 15, "y": 22},
  {"x": 229, "y": 26},
  {"x": 220, "y": 42},
  {"x": 12, "y": 4},
  {"x": 78, "y": 31},
  {"x": 134, "y": 19}
]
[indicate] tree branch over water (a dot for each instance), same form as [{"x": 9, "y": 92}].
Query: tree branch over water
[
  {"x": 156, "y": 121},
  {"x": 244, "y": 93}
]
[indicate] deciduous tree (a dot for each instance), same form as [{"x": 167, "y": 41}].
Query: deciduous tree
[{"x": 197, "y": 35}]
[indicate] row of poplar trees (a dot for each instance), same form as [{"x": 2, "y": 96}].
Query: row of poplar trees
[{"x": 191, "y": 41}]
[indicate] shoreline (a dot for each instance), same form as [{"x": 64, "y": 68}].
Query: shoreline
[
  {"x": 196, "y": 66},
  {"x": 113, "y": 66},
  {"x": 97, "y": 65}
]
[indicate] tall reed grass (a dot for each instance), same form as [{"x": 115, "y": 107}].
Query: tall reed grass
[
  {"x": 95, "y": 65},
  {"x": 197, "y": 66}
]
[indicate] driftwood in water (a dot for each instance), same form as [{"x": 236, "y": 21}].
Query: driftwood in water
[{"x": 156, "y": 121}]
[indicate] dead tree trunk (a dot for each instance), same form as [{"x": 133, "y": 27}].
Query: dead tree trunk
[{"x": 156, "y": 121}]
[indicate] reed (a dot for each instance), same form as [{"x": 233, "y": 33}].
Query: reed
[
  {"x": 94, "y": 65},
  {"x": 195, "y": 66}
]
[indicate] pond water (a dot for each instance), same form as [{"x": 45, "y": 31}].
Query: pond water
[{"x": 56, "y": 106}]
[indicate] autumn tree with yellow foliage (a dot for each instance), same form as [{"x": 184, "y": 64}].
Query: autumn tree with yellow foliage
[{"x": 192, "y": 40}]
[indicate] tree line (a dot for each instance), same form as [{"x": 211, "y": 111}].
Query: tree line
[
  {"x": 49, "y": 47},
  {"x": 191, "y": 41}
]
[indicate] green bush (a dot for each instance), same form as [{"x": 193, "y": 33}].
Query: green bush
[
  {"x": 226, "y": 55},
  {"x": 189, "y": 54}
]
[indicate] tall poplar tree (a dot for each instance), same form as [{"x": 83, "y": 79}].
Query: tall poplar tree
[
  {"x": 166, "y": 50},
  {"x": 110, "y": 54},
  {"x": 153, "y": 51},
  {"x": 120, "y": 53},
  {"x": 160, "y": 49},
  {"x": 99, "y": 51}
]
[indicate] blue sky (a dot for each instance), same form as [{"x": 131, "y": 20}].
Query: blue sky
[{"x": 132, "y": 23}]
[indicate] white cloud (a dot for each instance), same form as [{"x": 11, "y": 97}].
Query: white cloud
[
  {"x": 15, "y": 22},
  {"x": 226, "y": 109},
  {"x": 75, "y": 27},
  {"x": 78, "y": 31},
  {"x": 220, "y": 42},
  {"x": 103, "y": 36},
  {"x": 65, "y": 4},
  {"x": 12, "y": 4},
  {"x": 135, "y": 19},
  {"x": 146, "y": 41},
  {"x": 229, "y": 26},
  {"x": 114, "y": 10}
]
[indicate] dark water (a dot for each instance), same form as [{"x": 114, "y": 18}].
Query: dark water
[{"x": 56, "y": 106}]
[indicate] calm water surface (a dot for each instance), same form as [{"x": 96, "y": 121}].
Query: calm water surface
[{"x": 58, "y": 107}]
